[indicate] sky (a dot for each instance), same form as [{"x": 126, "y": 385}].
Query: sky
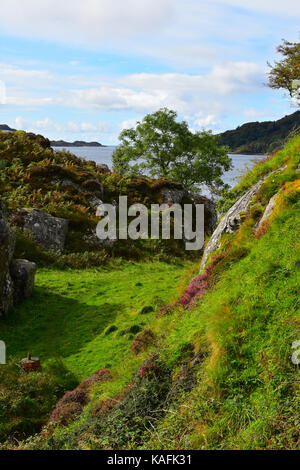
[{"x": 86, "y": 69}]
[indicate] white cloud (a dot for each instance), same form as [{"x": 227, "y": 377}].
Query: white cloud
[
  {"x": 185, "y": 93},
  {"x": 129, "y": 123},
  {"x": 48, "y": 126},
  {"x": 82, "y": 22},
  {"x": 12, "y": 73},
  {"x": 143, "y": 92},
  {"x": 278, "y": 7}
]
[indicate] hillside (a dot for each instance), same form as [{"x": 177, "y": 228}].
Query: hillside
[
  {"x": 77, "y": 143},
  {"x": 138, "y": 382},
  {"x": 260, "y": 137},
  {"x": 4, "y": 127},
  {"x": 35, "y": 178}
]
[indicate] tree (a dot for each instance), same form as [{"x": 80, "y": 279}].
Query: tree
[
  {"x": 284, "y": 72},
  {"x": 164, "y": 147}
]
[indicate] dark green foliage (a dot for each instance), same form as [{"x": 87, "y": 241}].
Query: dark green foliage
[
  {"x": 261, "y": 137},
  {"x": 166, "y": 148},
  {"x": 146, "y": 310},
  {"x": 284, "y": 72},
  {"x": 33, "y": 176},
  {"x": 110, "y": 329},
  {"x": 26, "y": 400}
]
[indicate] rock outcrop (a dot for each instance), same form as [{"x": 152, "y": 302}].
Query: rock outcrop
[
  {"x": 232, "y": 219},
  {"x": 16, "y": 276},
  {"x": 22, "y": 273},
  {"x": 7, "y": 246},
  {"x": 47, "y": 231},
  {"x": 268, "y": 212}
]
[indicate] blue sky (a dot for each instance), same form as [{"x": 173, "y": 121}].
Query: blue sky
[{"x": 85, "y": 69}]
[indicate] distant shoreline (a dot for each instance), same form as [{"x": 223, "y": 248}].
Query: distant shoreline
[{"x": 77, "y": 143}]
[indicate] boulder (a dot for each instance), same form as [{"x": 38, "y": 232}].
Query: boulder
[
  {"x": 7, "y": 246},
  {"x": 182, "y": 196},
  {"x": 173, "y": 196},
  {"x": 231, "y": 221},
  {"x": 103, "y": 167},
  {"x": 22, "y": 273},
  {"x": 16, "y": 277},
  {"x": 268, "y": 212},
  {"x": 49, "y": 232},
  {"x": 210, "y": 212}
]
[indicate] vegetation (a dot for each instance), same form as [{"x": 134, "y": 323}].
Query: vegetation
[
  {"x": 82, "y": 321},
  {"x": 228, "y": 382},
  {"x": 63, "y": 185},
  {"x": 26, "y": 400},
  {"x": 261, "y": 137},
  {"x": 284, "y": 72},
  {"x": 166, "y": 148}
]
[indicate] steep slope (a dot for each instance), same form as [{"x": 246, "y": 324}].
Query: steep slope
[{"x": 215, "y": 369}]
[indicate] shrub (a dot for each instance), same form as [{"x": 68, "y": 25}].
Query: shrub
[
  {"x": 26, "y": 399},
  {"x": 142, "y": 341}
]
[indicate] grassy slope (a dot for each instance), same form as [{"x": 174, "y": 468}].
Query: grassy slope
[
  {"x": 70, "y": 311},
  {"x": 246, "y": 393}
]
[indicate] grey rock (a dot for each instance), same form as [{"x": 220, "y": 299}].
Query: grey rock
[
  {"x": 16, "y": 277},
  {"x": 177, "y": 196},
  {"x": 49, "y": 232},
  {"x": 173, "y": 196},
  {"x": 210, "y": 212},
  {"x": 22, "y": 273},
  {"x": 92, "y": 189},
  {"x": 7, "y": 246},
  {"x": 94, "y": 200},
  {"x": 232, "y": 219},
  {"x": 103, "y": 167},
  {"x": 268, "y": 211}
]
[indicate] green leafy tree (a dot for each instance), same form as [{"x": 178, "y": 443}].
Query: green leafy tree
[
  {"x": 284, "y": 72},
  {"x": 163, "y": 147}
]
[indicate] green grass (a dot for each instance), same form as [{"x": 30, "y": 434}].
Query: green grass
[
  {"x": 246, "y": 392},
  {"x": 70, "y": 311}
]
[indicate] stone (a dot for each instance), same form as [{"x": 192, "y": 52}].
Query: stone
[
  {"x": 48, "y": 232},
  {"x": 210, "y": 212},
  {"x": 181, "y": 196},
  {"x": 232, "y": 220},
  {"x": 173, "y": 196},
  {"x": 103, "y": 167},
  {"x": 7, "y": 246},
  {"x": 16, "y": 277},
  {"x": 268, "y": 212},
  {"x": 22, "y": 273}
]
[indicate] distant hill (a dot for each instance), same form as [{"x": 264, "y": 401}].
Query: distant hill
[
  {"x": 4, "y": 127},
  {"x": 261, "y": 137},
  {"x": 77, "y": 143}
]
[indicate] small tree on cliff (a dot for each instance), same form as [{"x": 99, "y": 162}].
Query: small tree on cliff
[
  {"x": 284, "y": 72},
  {"x": 164, "y": 147}
]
